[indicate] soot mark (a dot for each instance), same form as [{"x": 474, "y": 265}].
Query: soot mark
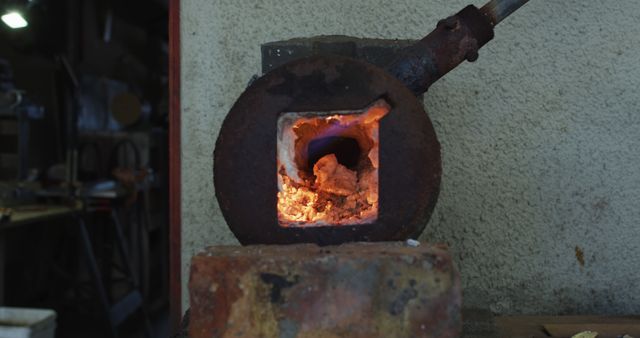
[
  {"x": 277, "y": 283},
  {"x": 398, "y": 305}
]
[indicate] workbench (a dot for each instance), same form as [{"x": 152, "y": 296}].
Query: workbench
[
  {"x": 117, "y": 312},
  {"x": 25, "y": 215}
]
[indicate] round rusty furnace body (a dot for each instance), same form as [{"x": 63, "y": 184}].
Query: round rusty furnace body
[{"x": 245, "y": 155}]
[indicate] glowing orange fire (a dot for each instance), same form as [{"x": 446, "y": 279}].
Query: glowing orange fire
[{"x": 317, "y": 187}]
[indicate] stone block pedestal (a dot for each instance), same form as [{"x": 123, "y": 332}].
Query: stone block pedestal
[{"x": 354, "y": 290}]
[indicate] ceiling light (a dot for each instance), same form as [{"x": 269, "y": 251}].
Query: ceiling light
[{"x": 14, "y": 20}]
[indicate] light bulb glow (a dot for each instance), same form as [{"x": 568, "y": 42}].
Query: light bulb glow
[{"x": 14, "y": 20}]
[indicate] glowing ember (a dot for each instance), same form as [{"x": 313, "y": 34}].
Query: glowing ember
[{"x": 328, "y": 167}]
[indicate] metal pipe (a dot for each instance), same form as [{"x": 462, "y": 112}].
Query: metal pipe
[
  {"x": 498, "y": 10},
  {"x": 455, "y": 39}
]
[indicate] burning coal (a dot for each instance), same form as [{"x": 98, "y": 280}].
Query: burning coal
[{"x": 328, "y": 167}]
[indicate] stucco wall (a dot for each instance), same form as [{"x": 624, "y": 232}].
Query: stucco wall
[{"x": 540, "y": 139}]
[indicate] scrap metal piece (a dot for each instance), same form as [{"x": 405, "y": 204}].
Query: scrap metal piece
[
  {"x": 379, "y": 52},
  {"x": 413, "y": 243}
]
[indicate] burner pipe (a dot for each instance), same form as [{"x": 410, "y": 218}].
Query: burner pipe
[
  {"x": 498, "y": 10},
  {"x": 455, "y": 39}
]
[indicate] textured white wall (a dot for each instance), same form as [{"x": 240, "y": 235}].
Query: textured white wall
[{"x": 540, "y": 139}]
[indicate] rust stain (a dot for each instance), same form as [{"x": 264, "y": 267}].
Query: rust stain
[
  {"x": 601, "y": 204},
  {"x": 214, "y": 291},
  {"x": 580, "y": 256}
]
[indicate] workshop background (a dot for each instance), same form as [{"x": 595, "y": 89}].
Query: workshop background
[
  {"x": 84, "y": 166},
  {"x": 540, "y": 141}
]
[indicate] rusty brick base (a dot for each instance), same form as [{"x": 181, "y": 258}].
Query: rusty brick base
[{"x": 353, "y": 290}]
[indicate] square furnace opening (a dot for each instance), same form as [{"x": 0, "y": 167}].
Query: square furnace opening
[{"x": 327, "y": 166}]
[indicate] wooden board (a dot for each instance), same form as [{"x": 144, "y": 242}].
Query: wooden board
[
  {"x": 567, "y": 326},
  {"x": 605, "y": 330}
]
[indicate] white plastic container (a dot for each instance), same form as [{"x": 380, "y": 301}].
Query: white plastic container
[{"x": 27, "y": 323}]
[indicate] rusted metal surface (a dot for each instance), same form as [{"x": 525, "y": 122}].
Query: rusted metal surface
[
  {"x": 379, "y": 52},
  {"x": 245, "y": 155},
  {"x": 354, "y": 290},
  {"x": 498, "y": 10},
  {"x": 455, "y": 39}
]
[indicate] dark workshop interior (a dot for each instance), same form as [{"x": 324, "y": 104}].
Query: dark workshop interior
[
  {"x": 84, "y": 165},
  {"x": 319, "y": 169}
]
